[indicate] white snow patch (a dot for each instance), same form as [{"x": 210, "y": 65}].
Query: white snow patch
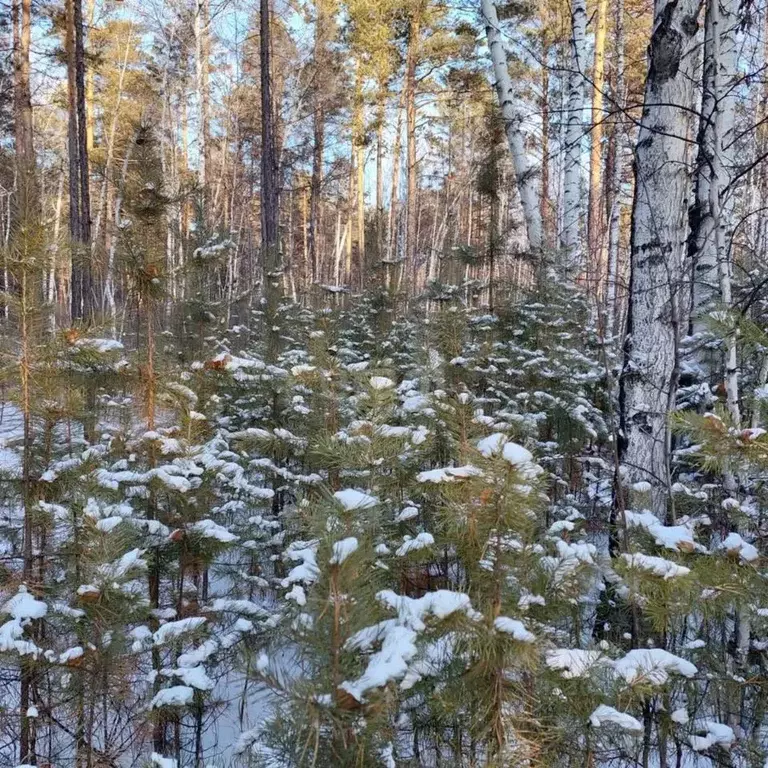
[
  {"x": 175, "y": 696},
  {"x": 448, "y": 474},
  {"x": 652, "y": 665},
  {"x": 604, "y": 714},
  {"x": 658, "y": 566},
  {"x": 343, "y": 549},
  {"x": 381, "y": 382},
  {"x": 712, "y": 733},
  {"x": 421, "y": 541},
  {"x": 515, "y": 628},
  {"x": 351, "y": 499},
  {"x": 24, "y": 606}
]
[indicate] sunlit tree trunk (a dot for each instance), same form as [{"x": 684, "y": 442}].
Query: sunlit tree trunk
[
  {"x": 595, "y": 211},
  {"x": 25, "y": 224},
  {"x": 618, "y": 141},
  {"x": 358, "y": 137},
  {"x": 411, "y": 203}
]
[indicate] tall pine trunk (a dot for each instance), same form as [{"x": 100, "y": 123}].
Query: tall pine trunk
[
  {"x": 411, "y": 210},
  {"x": 318, "y": 141},
  {"x": 202, "y": 54},
  {"x": 270, "y": 200},
  {"x": 79, "y": 175},
  {"x": 25, "y": 224}
]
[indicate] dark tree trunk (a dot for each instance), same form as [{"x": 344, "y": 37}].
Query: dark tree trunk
[
  {"x": 79, "y": 177},
  {"x": 318, "y": 145},
  {"x": 28, "y": 203},
  {"x": 270, "y": 195}
]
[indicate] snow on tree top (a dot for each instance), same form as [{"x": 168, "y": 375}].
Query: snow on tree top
[
  {"x": 499, "y": 443},
  {"x": 381, "y": 382},
  {"x": 734, "y": 544},
  {"x": 652, "y": 665},
  {"x": 351, "y": 499},
  {"x": 407, "y": 513},
  {"x": 448, "y": 474},
  {"x": 194, "y": 677},
  {"x": 574, "y": 662},
  {"x": 101, "y": 346},
  {"x": 308, "y": 570},
  {"x": 513, "y": 627},
  {"x": 175, "y": 696},
  {"x": 712, "y": 733},
  {"x": 677, "y": 537},
  {"x": 658, "y": 566},
  {"x": 174, "y": 629},
  {"x": 605, "y": 714},
  {"x": 212, "y": 530},
  {"x": 343, "y": 549},
  {"x": 420, "y": 541},
  {"x": 24, "y": 606},
  {"x": 398, "y": 636}
]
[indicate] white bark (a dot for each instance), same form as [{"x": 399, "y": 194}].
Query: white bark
[
  {"x": 659, "y": 229},
  {"x": 526, "y": 170},
  {"x": 570, "y": 235},
  {"x": 712, "y": 213},
  {"x": 619, "y": 139}
]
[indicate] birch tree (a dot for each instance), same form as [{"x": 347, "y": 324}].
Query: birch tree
[
  {"x": 526, "y": 171},
  {"x": 570, "y": 235},
  {"x": 596, "y": 220},
  {"x": 712, "y": 211},
  {"x": 650, "y": 370}
]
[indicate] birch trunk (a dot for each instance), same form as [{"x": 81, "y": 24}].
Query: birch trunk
[
  {"x": 710, "y": 216},
  {"x": 649, "y": 376},
  {"x": 570, "y": 236},
  {"x": 595, "y": 216},
  {"x": 526, "y": 171},
  {"x": 618, "y": 140}
]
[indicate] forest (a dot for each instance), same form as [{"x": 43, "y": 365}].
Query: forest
[{"x": 383, "y": 384}]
